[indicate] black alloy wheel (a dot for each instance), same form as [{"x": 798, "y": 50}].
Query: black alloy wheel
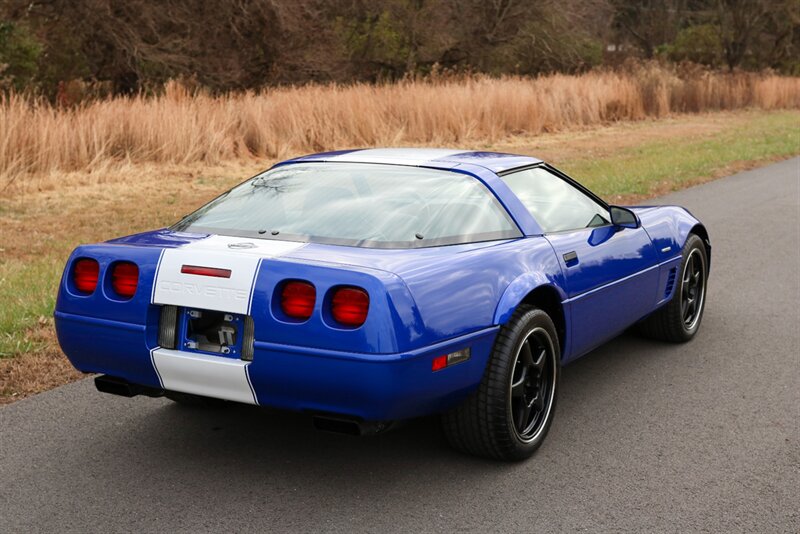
[
  {"x": 693, "y": 289},
  {"x": 531, "y": 387}
]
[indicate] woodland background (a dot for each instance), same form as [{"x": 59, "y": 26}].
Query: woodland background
[{"x": 66, "y": 49}]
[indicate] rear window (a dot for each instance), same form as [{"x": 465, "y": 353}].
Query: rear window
[{"x": 357, "y": 204}]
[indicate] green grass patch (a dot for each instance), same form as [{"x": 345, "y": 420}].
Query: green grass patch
[
  {"x": 28, "y": 294},
  {"x": 658, "y": 166}
]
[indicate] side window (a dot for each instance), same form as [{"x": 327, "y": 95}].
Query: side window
[{"x": 555, "y": 203}]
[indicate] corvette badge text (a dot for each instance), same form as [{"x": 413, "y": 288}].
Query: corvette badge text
[{"x": 202, "y": 290}]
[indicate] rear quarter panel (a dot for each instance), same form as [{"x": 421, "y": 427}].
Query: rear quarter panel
[
  {"x": 101, "y": 332},
  {"x": 452, "y": 290}
]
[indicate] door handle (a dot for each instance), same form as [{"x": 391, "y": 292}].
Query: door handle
[{"x": 571, "y": 258}]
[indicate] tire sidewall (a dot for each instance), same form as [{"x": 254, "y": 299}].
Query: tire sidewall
[
  {"x": 527, "y": 323},
  {"x": 693, "y": 243}
]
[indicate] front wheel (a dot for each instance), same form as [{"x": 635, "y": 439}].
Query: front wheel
[
  {"x": 509, "y": 415},
  {"x": 679, "y": 320}
]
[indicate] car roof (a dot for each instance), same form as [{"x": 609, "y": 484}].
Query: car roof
[{"x": 420, "y": 157}]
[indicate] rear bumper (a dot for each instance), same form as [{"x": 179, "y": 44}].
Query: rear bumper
[{"x": 371, "y": 387}]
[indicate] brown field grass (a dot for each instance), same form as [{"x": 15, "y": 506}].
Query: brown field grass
[{"x": 39, "y": 142}]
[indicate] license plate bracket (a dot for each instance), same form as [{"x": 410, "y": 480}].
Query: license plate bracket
[{"x": 212, "y": 332}]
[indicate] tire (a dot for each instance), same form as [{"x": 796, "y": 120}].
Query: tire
[
  {"x": 493, "y": 421},
  {"x": 195, "y": 401},
  {"x": 679, "y": 320}
]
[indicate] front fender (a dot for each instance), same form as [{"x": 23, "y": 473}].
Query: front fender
[{"x": 669, "y": 228}]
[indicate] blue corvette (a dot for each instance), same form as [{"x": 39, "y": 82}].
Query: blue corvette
[{"x": 371, "y": 286}]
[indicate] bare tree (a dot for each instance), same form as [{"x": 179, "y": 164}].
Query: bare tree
[
  {"x": 740, "y": 21},
  {"x": 649, "y": 23}
]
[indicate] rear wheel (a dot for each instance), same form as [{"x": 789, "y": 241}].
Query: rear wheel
[
  {"x": 509, "y": 415},
  {"x": 679, "y": 320}
]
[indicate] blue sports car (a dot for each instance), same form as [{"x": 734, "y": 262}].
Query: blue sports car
[{"x": 370, "y": 286}]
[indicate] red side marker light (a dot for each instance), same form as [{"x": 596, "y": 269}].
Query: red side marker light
[
  {"x": 85, "y": 274},
  {"x": 206, "y": 271},
  {"x": 125, "y": 279},
  {"x": 439, "y": 362}
]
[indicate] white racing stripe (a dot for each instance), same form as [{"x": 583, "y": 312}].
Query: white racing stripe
[
  {"x": 199, "y": 374},
  {"x": 211, "y": 376},
  {"x": 398, "y": 156},
  {"x": 232, "y": 294}
]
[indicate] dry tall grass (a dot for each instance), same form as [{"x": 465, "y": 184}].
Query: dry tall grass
[{"x": 178, "y": 127}]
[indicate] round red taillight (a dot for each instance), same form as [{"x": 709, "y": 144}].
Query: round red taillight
[
  {"x": 349, "y": 306},
  {"x": 297, "y": 299},
  {"x": 85, "y": 274},
  {"x": 124, "y": 279}
]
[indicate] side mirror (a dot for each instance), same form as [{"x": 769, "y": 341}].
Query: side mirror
[{"x": 624, "y": 218}]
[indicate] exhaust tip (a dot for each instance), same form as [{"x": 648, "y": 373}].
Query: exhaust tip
[
  {"x": 350, "y": 425},
  {"x": 115, "y": 386},
  {"x": 337, "y": 425},
  {"x": 123, "y": 388}
]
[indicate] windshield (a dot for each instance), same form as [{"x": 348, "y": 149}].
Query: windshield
[{"x": 357, "y": 204}]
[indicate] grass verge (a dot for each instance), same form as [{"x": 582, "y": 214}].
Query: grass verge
[
  {"x": 624, "y": 162},
  {"x": 656, "y": 167},
  {"x": 26, "y": 291}
]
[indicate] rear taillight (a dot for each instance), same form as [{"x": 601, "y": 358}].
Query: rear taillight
[
  {"x": 349, "y": 306},
  {"x": 124, "y": 279},
  {"x": 85, "y": 274},
  {"x": 297, "y": 299}
]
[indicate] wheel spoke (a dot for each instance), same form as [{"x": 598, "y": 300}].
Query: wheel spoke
[
  {"x": 518, "y": 387},
  {"x": 688, "y": 270},
  {"x": 525, "y": 354},
  {"x": 540, "y": 360},
  {"x": 689, "y": 310},
  {"x": 522, "y": 416},
  {"x": 538, "y": 401}
]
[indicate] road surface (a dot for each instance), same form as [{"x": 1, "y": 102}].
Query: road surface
[{"x": 647, "y": 436}]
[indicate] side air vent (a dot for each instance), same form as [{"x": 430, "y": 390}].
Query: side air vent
[
  {"x": 670, "y": 282},
  {"x": 168, "y": 327},
  {"x": 247, "y": 339}
]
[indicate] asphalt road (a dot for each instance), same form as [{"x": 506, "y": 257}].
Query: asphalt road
[{"x": 647, "y": 436}]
